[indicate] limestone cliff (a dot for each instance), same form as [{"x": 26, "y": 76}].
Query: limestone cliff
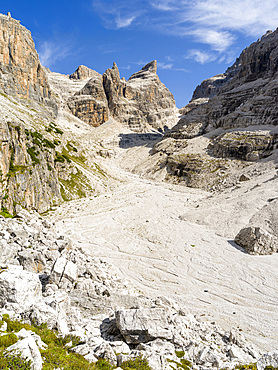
[
  {"x": 21, "y": 73},
  {"x": 90, "y": 103},
  {"x": 27, "y": 169},
  {"x": 141, "y": 103},
  {"x": 230, "y": 123},
  {"x": 245, "y": 95},
  {"x": 83, "y": 72}
]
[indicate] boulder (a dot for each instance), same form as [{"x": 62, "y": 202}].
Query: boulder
[
  {"x": 268, "y": 359},
  {"x": 143, "y": 325},
  {"x": 256, "y": 240},
  {"x": 19, "y": 287},
  {"x": 28, "y": 347}
]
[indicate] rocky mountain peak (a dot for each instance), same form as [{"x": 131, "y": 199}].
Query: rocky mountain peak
[
  {"x": 149, "y": 70},
  {"x": 83, "y": 72}
]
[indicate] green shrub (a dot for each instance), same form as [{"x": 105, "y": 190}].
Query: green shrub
[
  {"x": 136, "y": 364},
  {"x": 8, "y": 340},
  {"x": 13, "y": 361}
]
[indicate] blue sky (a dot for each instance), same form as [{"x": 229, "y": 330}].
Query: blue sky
[{"x": 191, "y": 40}]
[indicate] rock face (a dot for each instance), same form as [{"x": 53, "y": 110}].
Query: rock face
[
  {"x": 245, "y": 95},
  {"x": 27, "y": 164},
  {"x": 83, "y": 72},
  {"x": 142, "y": 102},
  {"x": 21, "y": 73},
  {"x": 246, "y": 145},
  {"x": 231, "y": 116},
  {"x": 90, "y": 103}
]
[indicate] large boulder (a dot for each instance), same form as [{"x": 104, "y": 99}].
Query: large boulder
[
  {"x": 143, "y": 325},
  {"x": 255, "y": 240}
]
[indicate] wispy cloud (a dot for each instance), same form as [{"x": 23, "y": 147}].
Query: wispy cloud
[
  {"x": 216, "y": 23},
  {"x": 117, "y": 14},
  {"x": 200, "y": 56},
  {"x": 163, "y": 65},
  {"x": 50, "y": 52}
]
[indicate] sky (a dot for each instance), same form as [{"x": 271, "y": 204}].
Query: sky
[{"x": 191, "y": 39}]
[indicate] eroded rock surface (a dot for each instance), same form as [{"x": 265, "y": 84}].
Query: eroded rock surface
[
  {"x": 90, "y": 103},
  {"x": 142, "y": 102},
  {"x": 21, "y": 72},
  {"x": 83, "y": 72}
]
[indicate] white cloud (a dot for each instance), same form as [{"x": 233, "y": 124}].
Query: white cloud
[
  {"x": 216, "y": 23},
  {"x": 163, "y": 65},
  {"x": 201, "y": 56},
  {"x": 124, "y": 22},
  {"x": 50, "y": 52},
  {"x": 117, "y": 14},
  {"x": 218, "y": 40},
  {"x": 253, "y": 17}
]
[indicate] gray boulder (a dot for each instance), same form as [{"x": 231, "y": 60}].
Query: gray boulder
[
  {"x": 143, "y": 325},
  {"x": 256, "y": 240},
  {"x": 268, "y": 359}
]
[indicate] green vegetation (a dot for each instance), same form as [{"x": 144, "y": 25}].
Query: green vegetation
[
  {"x": 53, "y": 127},
  {"x": 4, "y": 212},
  {"x": 33, "y": 154},
  {"x": 71, "y": 148},
  {"x": 136, "y": 364},
  {"x": 77, "y": 186},
  {"x": 180, "y": 354},
  {"x": 183, "y": 364},
  {"x": 13, "y": 361},
  {"x": 57, "y": 354}
]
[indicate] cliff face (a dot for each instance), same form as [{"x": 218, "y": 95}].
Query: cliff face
[
  {"x": 27, "y": 164},
  {"x": 231, "y": 122},
  {"x": 245, "y": 95},
  {"x": 142, "y": 102},
  {"x": 90, "y": 103},
  {"x": 21, "y": 73}
]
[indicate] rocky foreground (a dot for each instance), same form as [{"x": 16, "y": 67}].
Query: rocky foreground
[{"x": 46, "y": 279}]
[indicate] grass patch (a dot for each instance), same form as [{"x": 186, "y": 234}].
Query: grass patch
[
  {"x": 33, "y": 154},
  {"x": 4, "y": 212},
  {"x": 136, "y": 364},
  {"x": 77, "y": 186}
]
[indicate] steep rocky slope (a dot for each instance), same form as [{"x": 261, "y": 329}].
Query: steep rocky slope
[
  {"x": 22, "y": 74},
  {"x": 39, "y": 162}
]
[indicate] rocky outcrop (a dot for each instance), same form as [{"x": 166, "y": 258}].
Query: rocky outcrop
[
  {"x": 83, "y": 72},
  {"x": 21, "y": 73},
  {"x": 90, "y": 103},
  {"x": 211, "y": 86},
  {"x": 142, "y": 102},
  {"x": 246, "y": 96},
  {"x": 233, "y": 115},
  {"x": 28, "y": 175},
  {"x": 246, "y": 145},
  {"x": 255, "y": 240},
  {"x": 261, "y": 235}
]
